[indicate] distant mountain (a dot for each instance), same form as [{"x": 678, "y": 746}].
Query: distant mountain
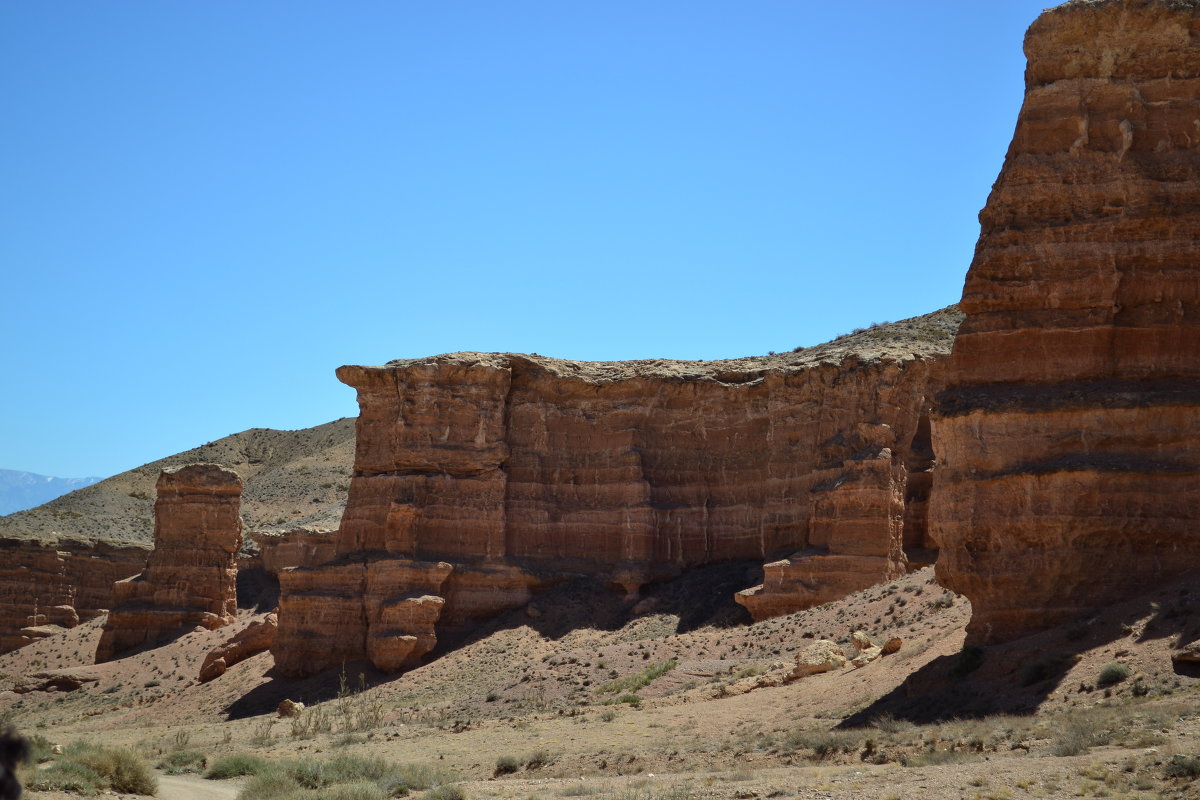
[{"x": 22, "y": 490}]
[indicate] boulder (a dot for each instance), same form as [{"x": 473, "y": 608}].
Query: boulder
[
  {"x": 823, "y": 655},
  {"x": 290, "y": 708},
  {"x": 255, "y": 638}
]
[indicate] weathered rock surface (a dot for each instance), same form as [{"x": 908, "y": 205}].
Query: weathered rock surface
[
  {"x": 255, "y": 638},
  {"x": 823, "y": 655},
  {"x": 55, "y": 681},
  {"x": 191, "y": 576},
  {"x": 1069, "y": 472},
  {"x": 515, "y": 470},
  {"x": 299, "y": 547},
  {"x": 48, "y": 586}
]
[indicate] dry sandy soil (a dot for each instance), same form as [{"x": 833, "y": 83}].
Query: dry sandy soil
[{"x": 533, "y": 689}]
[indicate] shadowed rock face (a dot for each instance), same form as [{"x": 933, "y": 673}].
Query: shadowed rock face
[
  {"x": 1069, "y": 472},
  {"x": 191, "y": 575},
  {"x": 481, "y": 477}
]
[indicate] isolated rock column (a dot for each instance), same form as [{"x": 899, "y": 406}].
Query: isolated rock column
[
  {"x": 1069, "y": 472},
  {"x": 191, "y": 576}
]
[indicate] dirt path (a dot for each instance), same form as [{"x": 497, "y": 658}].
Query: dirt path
[{"x": 189, "y": 787}]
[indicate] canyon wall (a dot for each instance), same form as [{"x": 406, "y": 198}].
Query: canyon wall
[
  {"x": 1069, "y": 474},
  {"x": 479, "y": 478},
  {"x": 190, "y": 577},
  {"x": 48, "y": 586}
]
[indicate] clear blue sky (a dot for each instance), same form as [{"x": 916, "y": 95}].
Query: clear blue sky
[{"x": 209, "y": 206}]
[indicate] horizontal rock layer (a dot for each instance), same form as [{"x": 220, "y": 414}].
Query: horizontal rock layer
[
  {"x": 513, "y": 470},
  {"x": 1069, "y": 476},
  {"x": 45, "y": 587}
]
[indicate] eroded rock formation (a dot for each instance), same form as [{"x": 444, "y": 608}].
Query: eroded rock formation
[
  {"x": 190, "y": 577},
  {"x": 255, "y": 638},
  {"x": 1068, "y": 473},
  {"x": 480, "y": 477},
  {"x": 48, "y": 586}
]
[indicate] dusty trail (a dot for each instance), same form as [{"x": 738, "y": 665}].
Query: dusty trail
[{"x": 189, "y": 787}]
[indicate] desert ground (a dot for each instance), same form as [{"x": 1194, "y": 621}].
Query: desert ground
[{"x": 677, "y": 696}]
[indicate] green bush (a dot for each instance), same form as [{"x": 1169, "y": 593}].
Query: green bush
[
  {"x": 447, "y": 792},
  {"x": 122, "y": 769},
  {"x": 41, "y": 749},
  {"x": 66, "y": 776},
  {"x": 182, "y": 761},
  {"x": 359, "y": 790},
  {"x": 235, "y": 766},
  {"x": 1112, "y": 674},
  {"x": 631, "y": 683},
  {"x": 271, "y": 785}
]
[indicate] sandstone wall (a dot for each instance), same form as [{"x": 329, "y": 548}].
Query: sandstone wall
[
  {"x": 480, "y": 476},
  {"x": 1068, "y": 473},
  {"x": 45, "y": 587},
  {"x": 191, "y": 575}
]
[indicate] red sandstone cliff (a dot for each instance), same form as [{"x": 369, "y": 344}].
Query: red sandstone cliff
[
  {"x": 191, "y": 576},
  {"x": 1066, "y": 435},
  {"x": 48, "y": 586},
  {"x": 479, "y": 477}
]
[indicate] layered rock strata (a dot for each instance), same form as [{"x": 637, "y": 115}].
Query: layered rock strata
[
  {"x": 1069, "y": 473},
  {"x": 190, "y": 577},
  {"x": 47, "y": 587},
  {"x": 480, "y": 477}
]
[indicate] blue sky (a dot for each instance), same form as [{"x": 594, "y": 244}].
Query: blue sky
[{"x": 208, "y": 207}]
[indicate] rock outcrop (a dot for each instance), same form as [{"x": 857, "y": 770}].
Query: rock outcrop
[
  {"x": 1069, "y": 474},
  {"x": 480, "y": 477},
  {"x": 190, "y": 577},
  {"x": 46, "y": 587},
  {"x": 255, "y": 638}
]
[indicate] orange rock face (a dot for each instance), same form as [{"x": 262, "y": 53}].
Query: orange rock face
[
  {"x": 191, "y": 575},
  {"x": 478, "y": 477},
  {"x": 47, "y": 587},
  {"x": 1066, "y": 434},
  {"x": 256, "y": 638}
]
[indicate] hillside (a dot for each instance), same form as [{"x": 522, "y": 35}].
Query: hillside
[{"x": 293, "y": 478}]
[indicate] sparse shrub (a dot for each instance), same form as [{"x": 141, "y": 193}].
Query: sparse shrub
[
  {"x": 359, "y": 790},
  {"x": 823, "y": 743},
  {"x": 270, "y": 785},
  {"x": 182, "y": 761},
  {"x": 121, "y": 769},
  {"x": 638, "y": 680},
  {"x": 41, "y": 749},
  {"x": 66, "y": 776},
  {"x": 234, "y": 766},
  {"x": 1181, "y": 766},
  {"x": 448, "y": 792},
  {"x": 1112, "y": 674},
  {"x": 506, "y": 765}
]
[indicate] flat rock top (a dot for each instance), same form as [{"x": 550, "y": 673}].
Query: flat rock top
[{"x": 926, "y": 336}]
